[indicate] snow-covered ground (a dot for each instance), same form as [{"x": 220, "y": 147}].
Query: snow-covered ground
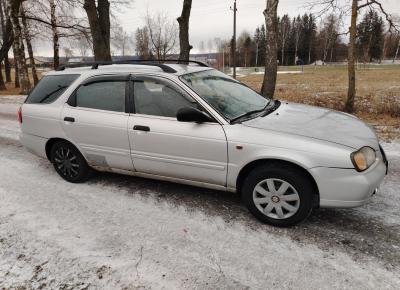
[{"x": 119, "y": 232}]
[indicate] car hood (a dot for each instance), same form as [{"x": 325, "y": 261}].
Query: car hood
[{"x": 318, "y": 123}]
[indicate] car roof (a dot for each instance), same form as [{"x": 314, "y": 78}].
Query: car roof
[{"x": 180, "y": 69}]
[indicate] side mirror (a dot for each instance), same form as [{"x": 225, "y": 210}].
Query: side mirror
[{"x": 188, "y": 114}]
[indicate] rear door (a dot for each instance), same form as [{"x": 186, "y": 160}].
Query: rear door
[
  {"x": 95, "y": 119},
  {"x": 160, "y": 145}
]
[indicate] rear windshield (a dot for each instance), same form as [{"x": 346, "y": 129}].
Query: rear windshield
[{"x": 50, "y": 88}]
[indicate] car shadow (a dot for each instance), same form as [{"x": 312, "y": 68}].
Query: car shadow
[{"x": 351, "y": 230}]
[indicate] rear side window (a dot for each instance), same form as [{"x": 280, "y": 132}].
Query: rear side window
[
  {"x": 107, "y": 96},
  {"x": 50, "y": 88}
]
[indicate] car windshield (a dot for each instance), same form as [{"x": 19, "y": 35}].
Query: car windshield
[{"x": 229, "y": 97}]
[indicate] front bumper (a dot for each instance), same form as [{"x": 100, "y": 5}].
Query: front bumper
[{"x": 344, "y": 188}]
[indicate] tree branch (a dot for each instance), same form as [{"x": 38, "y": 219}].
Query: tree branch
[{"x": 74, "y": 26}]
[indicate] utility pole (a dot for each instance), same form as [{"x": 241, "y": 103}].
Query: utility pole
[{"x": 234, "y": 40}]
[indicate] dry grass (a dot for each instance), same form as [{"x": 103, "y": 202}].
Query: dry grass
[
  {"x": 11, "y": 89},
  {"x": 378, "y": 93}
]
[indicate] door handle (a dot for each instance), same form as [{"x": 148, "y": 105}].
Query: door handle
[
  {"x": 69, "y": 119},
  {"x": 141, "y": 128}
]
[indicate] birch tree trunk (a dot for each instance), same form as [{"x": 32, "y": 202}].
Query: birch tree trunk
[
  {"x": 296, "y": 46},
  {"x": 56, "y": 37},
  {"x": 183, "y": 21},
  {"x": 99, "y": 21},
  {"x": 351, "y": 93},
  {"x": 28, "y": 40},
  {"x": 397, "y": 52},
  {"x": 3, "y": 28},
  {"x": 7, "y": 68},
  {"x": 20, "y": 48},
  {"x": 16, "y": 68},
  {"x": 271, "y": 52},
  {"x": 2, "y": 84}
]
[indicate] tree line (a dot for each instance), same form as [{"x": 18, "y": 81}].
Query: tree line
[{"x": 90, "y": 25}]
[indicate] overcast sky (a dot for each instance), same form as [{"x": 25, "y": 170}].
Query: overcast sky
[{"x": 212, "y": 18}]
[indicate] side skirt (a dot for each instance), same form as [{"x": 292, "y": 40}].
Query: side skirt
[{"x": 166, "y": 178}]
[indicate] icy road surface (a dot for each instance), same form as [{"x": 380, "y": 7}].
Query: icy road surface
[{"x": 119, "y": 232}]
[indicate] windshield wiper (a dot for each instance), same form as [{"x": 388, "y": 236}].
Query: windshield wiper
[
  {"x": 52, "y": 93},
  {"x": 270, "y": 107},
  {"x": 248, "y": 114}
]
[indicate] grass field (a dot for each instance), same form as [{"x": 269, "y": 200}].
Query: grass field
[{"x": 378, "y": 91}]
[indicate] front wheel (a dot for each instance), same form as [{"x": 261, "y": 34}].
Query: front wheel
[
  {"x": 278, "y": 194},
  {"x": 69, "y": 162}
]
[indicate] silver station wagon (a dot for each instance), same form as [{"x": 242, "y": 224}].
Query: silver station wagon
[{"x": 191, "y": 124}]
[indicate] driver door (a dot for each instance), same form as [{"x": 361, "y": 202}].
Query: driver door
[{"x": 161, "y": 145}]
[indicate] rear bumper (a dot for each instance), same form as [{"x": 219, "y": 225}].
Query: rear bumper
[
  {"x": 345, "y": 188},
  {"x": 34, "y": 144}
]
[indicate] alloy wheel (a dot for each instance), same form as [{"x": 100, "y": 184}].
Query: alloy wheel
[{"x": 66, "y": 162}]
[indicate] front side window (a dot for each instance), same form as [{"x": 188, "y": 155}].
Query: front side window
[
  {"x": 159, "y": 99},
  {"x": 229, "y": 97},
  {"x": 106, "y": 95},
  {"x": 50, "y": 88}
]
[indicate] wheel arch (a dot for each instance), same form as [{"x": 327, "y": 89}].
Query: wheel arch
[
  {"x": 52, "y": 141},
  {"x": 256, "y": 163}
]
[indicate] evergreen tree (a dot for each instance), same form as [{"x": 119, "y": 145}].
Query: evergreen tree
[
  {"x": 370, "y": 37},
  {"x": 260, "y": 41}
]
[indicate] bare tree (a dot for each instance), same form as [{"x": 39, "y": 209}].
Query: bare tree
[
  {"x": 16, "y": 67},
  {"x": 4, "y": 17},
  {"x": 25, "y": 84},
  {"x": 82, "y": 45},
  {"x": 2, "y": 83},
  {"x": 68, "y": 53},
  {"x": 351, "y": 92},
  {"x": 142, "y": 43},
  {"x": 271, "y": 53},
  {"x": 297, "y": 36},
  {"x": 28, "y": 40},
  {"x": 56, "y": 37},
  {"x": 163, "y": 35},
  {"x": 58, "y": 20},
  {"x": 120, "y": 39},
  {"x": 99, "y": 21},
  {"x": 355, "y": 8},
  {"x": 329, "y": 35},
  {"x": 284, "y": 31},
  {"x": 183, "y": 21},
  {"x": 397, "y": 52}
]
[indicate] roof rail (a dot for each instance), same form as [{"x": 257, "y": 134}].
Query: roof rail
[
  {"x": 156, "y": 63},
  {"x": 95, "y": 65}
]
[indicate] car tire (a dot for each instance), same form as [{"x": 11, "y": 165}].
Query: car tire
[
  {"x": 279, "y": 194},
  {"x": 69, "y": 162}
]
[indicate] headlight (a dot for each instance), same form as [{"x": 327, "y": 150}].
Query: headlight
[{"x": 363, "y": 158}]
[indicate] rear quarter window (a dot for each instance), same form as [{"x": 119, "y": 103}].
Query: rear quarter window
[{"x": 50, "y": 88}]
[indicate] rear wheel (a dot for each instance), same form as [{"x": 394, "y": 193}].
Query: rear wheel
[
  {"x": 278, "y": 194},
  {"x": 69, "y": 162}
]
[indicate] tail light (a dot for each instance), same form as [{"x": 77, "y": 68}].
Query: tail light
[{"x": 19, "y": 115}]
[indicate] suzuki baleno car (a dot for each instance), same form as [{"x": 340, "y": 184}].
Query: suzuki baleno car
[{"x": 194, "y": 125}]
